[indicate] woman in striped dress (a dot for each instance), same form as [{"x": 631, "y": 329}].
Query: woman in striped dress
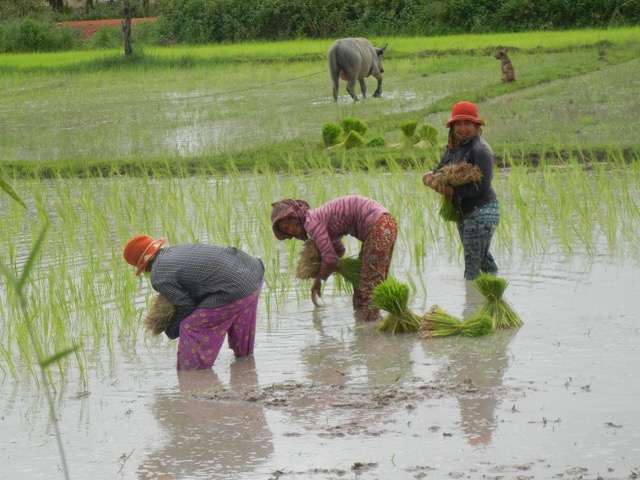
[{"x": 355, "y": 215}]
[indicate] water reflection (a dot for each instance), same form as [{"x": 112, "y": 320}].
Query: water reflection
[
  {"x": 208, "y": 438},
  {"x": 351, "y": 370},
  {"x": 356, "y": 354},
  {"x": 476, "y": 366}
]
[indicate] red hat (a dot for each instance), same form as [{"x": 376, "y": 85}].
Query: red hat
[
  {"x": 140, "y": 250},
  {"x": 464, "y": 111}
]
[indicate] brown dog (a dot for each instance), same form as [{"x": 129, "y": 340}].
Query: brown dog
[{"x": 508, "y": 72}]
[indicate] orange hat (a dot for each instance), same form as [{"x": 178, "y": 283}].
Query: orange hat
[
  {"x": 464, "y": 111},
  {"x": 140, "y": 250}
]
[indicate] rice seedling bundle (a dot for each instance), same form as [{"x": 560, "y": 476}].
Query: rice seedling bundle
[
  {"x": 354, "y": 124},
  {"x": 376, "y": 142},
  {"x": 331, "y": 133},
  {"x": 393, "y": 297},
  {"x": 353, "y": 140},
  {"x": 309, "y": 261},
  {"x": 455, "y": 175},
  {"x": 408, "y": 128},
  {"x": 159, "y": 316},
  {"x": 448, "y": 211},
  {"x": 492, "y": 288},
  {"x": 350, "y": 268},
  {"x": 428, "y": 135},
  {"x": 437, "y": 322}
]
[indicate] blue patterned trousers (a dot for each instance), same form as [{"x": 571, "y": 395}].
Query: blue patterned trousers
[{"x": 476, "y": 231}]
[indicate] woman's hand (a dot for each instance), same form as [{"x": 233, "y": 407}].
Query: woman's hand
[
  {"x": 447, "y": 190},
  {"x": 316, "y": 292}
]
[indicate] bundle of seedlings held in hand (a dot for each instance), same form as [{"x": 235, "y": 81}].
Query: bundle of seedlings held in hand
[
  {"x": 439, "y": 323},
  {"x": 455, "y": 175},
  {"x": 393, "y": 297},
  {"x": 309, "y": 261},
  {"x": 492, "y": 288},
  {"x": 159, "y": 316}
]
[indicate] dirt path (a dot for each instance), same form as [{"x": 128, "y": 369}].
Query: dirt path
[{"x": 89, "y": 28}]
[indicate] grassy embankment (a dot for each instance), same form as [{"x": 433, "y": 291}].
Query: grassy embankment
[{"x": 184, "y": 110}]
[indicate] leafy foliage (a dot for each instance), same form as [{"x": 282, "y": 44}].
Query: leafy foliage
[{"x": 221, "y": 21}]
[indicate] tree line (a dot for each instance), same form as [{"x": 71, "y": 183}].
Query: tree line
[{"x": 216, "y": 21}]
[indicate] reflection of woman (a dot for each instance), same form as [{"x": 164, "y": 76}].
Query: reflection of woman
[
  {"x": 350, "y": 370},
  {"x": 478, "y": 363},
  {"x": 386, "y": 358},
  {"x": 210, "y": 438}
]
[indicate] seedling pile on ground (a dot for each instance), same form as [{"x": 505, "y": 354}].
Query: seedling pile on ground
[
  {"x": 393, "y": 297},
  {"x": 492, "y": 288}
]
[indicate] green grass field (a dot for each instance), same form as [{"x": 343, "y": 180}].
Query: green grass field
[{"x": 207, "y": 106}]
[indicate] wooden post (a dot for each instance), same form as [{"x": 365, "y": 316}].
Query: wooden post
[{"x": 126, "y": 28}]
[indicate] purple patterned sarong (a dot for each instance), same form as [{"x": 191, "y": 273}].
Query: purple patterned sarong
[{"x": 202, "y": 333}]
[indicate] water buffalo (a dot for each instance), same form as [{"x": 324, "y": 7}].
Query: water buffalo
[{"x": 355, "y": 59}]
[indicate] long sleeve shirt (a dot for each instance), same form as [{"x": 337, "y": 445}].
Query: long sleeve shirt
[
  {"x": 475, "y": 152},
  {"x": 326, "y": 225},
  {"x": 203, "y": 276}
]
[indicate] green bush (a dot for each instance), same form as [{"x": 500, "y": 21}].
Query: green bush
[
  {"x": 228, "y": 20},
  {"x": 107, "y": 37},
  {"x": 29, "y": 35},
  {"x": 219, "y": 21}
]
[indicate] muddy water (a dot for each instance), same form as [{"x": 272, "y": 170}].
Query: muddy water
[{"x": 326, "y": 396}]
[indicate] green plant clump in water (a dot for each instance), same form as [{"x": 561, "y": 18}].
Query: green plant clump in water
[
  {"x": 353, "y": 140},
  {"x": 331, "y": 133},
  {"x": 354, "y": 124},
  {"x": 492, "y": 288},
  {"x": 408, "y": 128},
  {"x": 376, "y": 142},
  {"x": 428, "y": 135},
  {"x": 393, "y": 297},
  {"x": 439, "y": 323}
]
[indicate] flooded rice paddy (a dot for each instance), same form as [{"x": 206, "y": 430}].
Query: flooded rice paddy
[{"x": 326, "y": 396}]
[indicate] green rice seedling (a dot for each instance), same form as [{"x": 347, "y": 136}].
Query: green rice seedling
[
  {"x": 349, "y": 268},
  {"x": 331, "y": 133},
  {"x": 376, "y": 142},
  {"x": 428, "y": 135},
  {"x": 437, "y": 322},
  {"x": 492, "y": 288},
  {"x": 393, "y": 297},
  {"x": 448, "y": 211},
  {"x": 159, "y": 316},
  {"x": 455, "y": 175},
  {"x": 354, "y": 124},
  {"x": 353, "y": 140},
  {"x": 408, "y": 128}
]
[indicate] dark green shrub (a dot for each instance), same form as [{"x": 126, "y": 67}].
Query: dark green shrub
[
  {"x": 107, "y": 37},
  {"x": 29, "y": 35}
]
